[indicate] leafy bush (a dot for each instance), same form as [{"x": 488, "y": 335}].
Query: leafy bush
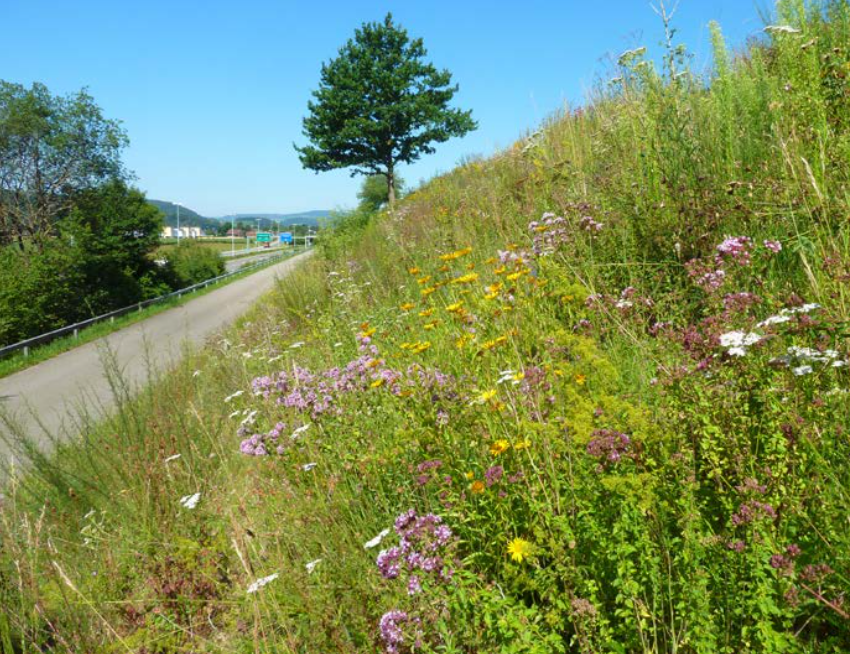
[{"x": 192, "y": 263}]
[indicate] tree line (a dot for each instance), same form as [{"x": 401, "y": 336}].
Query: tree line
[{"x": 76, "y": 238}]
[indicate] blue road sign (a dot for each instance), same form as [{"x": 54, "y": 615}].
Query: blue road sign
[{"x": 286, "y": 237}]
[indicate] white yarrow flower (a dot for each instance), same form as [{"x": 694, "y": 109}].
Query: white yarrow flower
[
  {"x": 376, "y": 540},
  {"x": 295, "y": 346},
  {"x": 312, "y": 566},
  {"x": 802, "y": 370},
  {"x": 173, "y": 457},
  {"x": 781, "y": 29},
  {"x": 190, "y": 501},
  {"x": 307, "y": 467},
  {"x": 233, "y": 395},
  {"x": 299, "y": 431},
  {"x": 262, "y": 581}
]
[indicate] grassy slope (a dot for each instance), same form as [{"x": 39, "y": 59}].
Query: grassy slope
[{"x": 681, "y": 538}]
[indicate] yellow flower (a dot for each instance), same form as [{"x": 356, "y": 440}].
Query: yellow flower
[
  {"x": 376, "y": 383},
  {"x": 421, "y": 347},
  {"x": 444, "y": 268},
  {"x": 499, "y": 271},
  {"x": 457, "y": 306},
  {"x": 367, "y": 333},
  {"x": 425, "y": 313},
  {"x": 413, "y": 271},
  {"x": 519, "y": 376},
  {"x": 499, "y": 446},
  {"x": 427, "y": 291},
  {"x": 423, "y": 280},
  {"x": 463, "y": 340},
  {"x": 519, "y": 549},
  {"x": 374, "y": 363},
  {"x": 477, "y": 486},
  {"x": 465, "y": 279},
  {"x": 407, "y": 306},
  {"x": 455, "y": 255},
  {"x": 486, "y": 396},
  {"x": 431, "y": 325},
  {"x": 469, "y": 475},
  {"x": 491, "y": 261},
  {"x": 470, "y": 266},
  {"x": 491, "y": 296},
  {"x": 580, "y": 379},
  {"x": 521, "y": 445}
]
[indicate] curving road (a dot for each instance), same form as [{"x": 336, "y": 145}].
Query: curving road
[{"x": 42, "y": 399}]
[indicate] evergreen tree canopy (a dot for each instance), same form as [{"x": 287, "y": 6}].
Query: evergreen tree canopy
[{"x": 379, "y": 103}]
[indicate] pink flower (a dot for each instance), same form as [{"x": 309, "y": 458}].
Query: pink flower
[{"x": 773, "y": 246}]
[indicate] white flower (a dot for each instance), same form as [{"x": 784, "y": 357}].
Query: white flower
[
  {"x": 233, "y": 395},
  {"x": 376, "y": 540},
  {"x": 505, "y": 376},
  {"x": 337, "y": 344},
  {"x": 173, "y": 457},
  {"x": 250, "y": 418},
  {"x": 190, "y": 501},
  {"x": 738, "y": 342},
  {"x": 801, "y": 370},
  {"x": 307, "y": 467},
  {"x": 312, "y": 566},
  {"x": 299, "y": 431},
  {"x": 234, "y": 414},
  {"x": 295, "y": 346},
  {"x": 262, "y": 581},
  {"x": 277, "y": 358},
  {"x": 774, "y": 320},
  {"x": 623, "y": 304},
  {"x": 247, "y": 355},
  {"x": 197, "y": 373}
]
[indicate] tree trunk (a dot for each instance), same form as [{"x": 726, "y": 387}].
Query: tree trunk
[{"x": 391, "y": 187}]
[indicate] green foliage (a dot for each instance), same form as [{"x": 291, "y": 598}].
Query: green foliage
[
  {"x": 374, "y": 193},
  {"x": 50, "y": 147},
  {"x": 380, "y": 104},
  {"x": 192, "y": 263}
]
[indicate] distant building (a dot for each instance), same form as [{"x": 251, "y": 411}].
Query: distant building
[
  {"x": 236, "y": 232},
  {"x": 184, "y": 232}
]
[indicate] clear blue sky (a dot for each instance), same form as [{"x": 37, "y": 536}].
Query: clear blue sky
[{"x": 212, "y": 93}]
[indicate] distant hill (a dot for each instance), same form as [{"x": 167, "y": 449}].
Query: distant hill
[
  {"x": 190, "y": 217},
  {"x": 187, "y": 216},
  {"x": 310, "y": 218}
]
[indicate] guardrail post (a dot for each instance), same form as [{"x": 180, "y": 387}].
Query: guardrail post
[
  {"x": 76, "y": 333},
  {"x": 112, "y": 319},
  {"x": 140, "y": 306},
  {"x": 26, "y": 350}
]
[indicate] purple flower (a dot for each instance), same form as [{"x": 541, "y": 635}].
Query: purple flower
[
  {"x": 389, "y": 563},
  {"x": 391, "y": 629},
  {"x": 493, "y": 475},
  {"x": 773, "y": 246},
  {"x": 413, "y": 585}
]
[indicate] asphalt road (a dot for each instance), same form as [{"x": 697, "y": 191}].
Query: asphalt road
[
  {"x": 236, "y": 264},
  {"x": 43, "y": 400}
]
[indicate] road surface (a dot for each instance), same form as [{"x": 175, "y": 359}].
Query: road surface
[
  {"x": 50, "y": 392},
  {"x": 236, "y": 264}
]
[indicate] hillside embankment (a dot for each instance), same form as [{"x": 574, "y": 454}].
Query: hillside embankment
[{"x": 586, "y": 395}]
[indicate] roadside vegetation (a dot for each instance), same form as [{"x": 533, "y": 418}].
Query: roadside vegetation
[{"x": 586, "y": 395}]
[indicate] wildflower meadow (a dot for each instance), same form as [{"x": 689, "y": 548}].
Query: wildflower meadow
[{"x": 589, "y": 394}]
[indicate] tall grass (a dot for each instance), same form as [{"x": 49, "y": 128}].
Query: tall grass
[{"x": 583, "y": 406}]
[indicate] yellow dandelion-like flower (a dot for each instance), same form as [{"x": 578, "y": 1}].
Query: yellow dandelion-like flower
[
  {"x": 463, "y": 340},
  {"x": 407, "y": 306},
  {"x": 516, "y": 275},
  {"x": 456, "y": 307},
  {"x": 376, "y": 383},
  {"x": 580, "y": 379},
  {"x": 414, "y": 270},
  {"x": 423, "y": 280},
  {"x": 444, "y": 268},
  {"x": 477, "y": 486},
  {"x": 366, "y": 333},
  {"x": 491, "y": 261},
  {"x": 519, "y": 376},
  {"x": 520, "y": 549},
  {"x": 431, "y": 325},
  {"x": 500, "y": 446},
  {"x": 406, "y": 346},
  {"x": 466, "y": 279},
  {"x": 374, "y": 363},
  {"x": 521, "y": 445},
  {"x": 559, "y": 373},
  {"x": 421, "y": 347},
  {"x": 470, "y": 266},
  {"x": 491, "y": 296},
  {"x": 500, "y": 270},
  {"x": 425, "y": 292},
  {"x": 469, "y": 475},
  {"x": 451, "y": 256},
  {"x": 486, "y": 396}
]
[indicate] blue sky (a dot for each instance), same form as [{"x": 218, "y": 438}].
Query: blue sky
[{"x": 212, "y": 93}]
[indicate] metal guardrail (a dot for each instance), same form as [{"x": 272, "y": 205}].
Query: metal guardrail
[{"x": 74, "y": 329}]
